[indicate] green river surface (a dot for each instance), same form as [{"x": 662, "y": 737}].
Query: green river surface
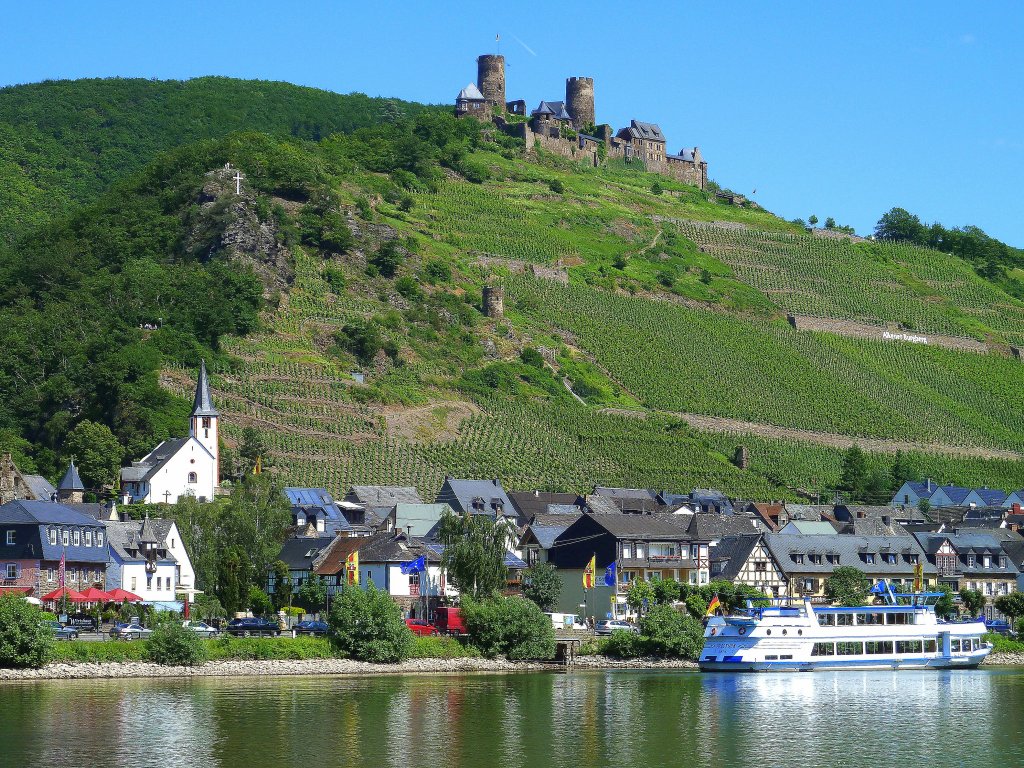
[{"x": 603, "y": 718}]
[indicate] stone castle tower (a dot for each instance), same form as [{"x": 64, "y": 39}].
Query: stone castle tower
[
  {"x": 579, "y": 101},
  {"x": 490, "y": 78},
  {"x": 494, "y": 301}
]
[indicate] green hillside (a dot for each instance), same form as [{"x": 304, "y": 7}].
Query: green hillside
[{"x": 654, "y": 304}]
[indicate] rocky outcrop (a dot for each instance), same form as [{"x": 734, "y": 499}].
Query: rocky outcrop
[{"x": 228, "y": 223}]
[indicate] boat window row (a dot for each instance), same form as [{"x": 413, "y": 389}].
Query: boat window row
[
  {"x": 864, "y": 619},
  {"x": 890, "y": 647}
]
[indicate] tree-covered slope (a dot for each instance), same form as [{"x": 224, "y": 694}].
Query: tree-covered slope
[{"x": 338, "y": 302}]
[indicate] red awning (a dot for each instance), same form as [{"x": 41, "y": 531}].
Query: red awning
[
  {"x": 123, "y": 596},
  {"x": 57, "y": 594},
  {"x": 94, "y": 595}
]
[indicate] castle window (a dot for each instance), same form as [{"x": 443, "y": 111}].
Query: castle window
[{"x": 193, "y": 477}]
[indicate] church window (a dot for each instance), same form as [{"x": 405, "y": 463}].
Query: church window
[
  {"x": 206, "y": 422},
  {"x": 193, "y": 477}
]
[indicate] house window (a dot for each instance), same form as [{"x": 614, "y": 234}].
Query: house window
[
  {"x": 78, "y": 538},
  {"x": 639, "y": 551},
  {"x": 10, "y": 537},
  {"x": 12, "y": 570},
  {"x": 869, "y": 558},
  {"x": 798, "y": 559},
  {"x": 987, "y": 561},
  {"x": 627, "y": 551},
  {"x": 761, "y": 566},
  {"x": 65, "y": 538},
  {"x": 99, "y": 538},
  {"x": 53, "y": 537},
  {"x": 694, "y": 552},
  {"x": 134, "y": 582},
  {"x": 50, "y": 574},
  {"x": 193, "y": 477},
  {"x": 970, "y": 561},
  {"x": 158, "y": 583},
  {"x": 1002, "y": 561},
  {"x": 87, "y": 538}
]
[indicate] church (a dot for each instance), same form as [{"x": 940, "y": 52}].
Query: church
[{"x": 184, "y": 466}]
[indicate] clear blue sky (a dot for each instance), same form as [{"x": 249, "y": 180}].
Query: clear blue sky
[{"x": 840, "y": 110}]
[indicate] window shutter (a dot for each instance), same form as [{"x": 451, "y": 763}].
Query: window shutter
[{"x": 18, "y": 570}]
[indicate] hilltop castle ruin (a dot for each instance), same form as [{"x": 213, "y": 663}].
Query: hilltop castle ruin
[{"x": 569, "y": 127}]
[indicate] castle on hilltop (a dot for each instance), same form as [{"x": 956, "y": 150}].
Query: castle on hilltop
[{"x": 570, "y": 128}]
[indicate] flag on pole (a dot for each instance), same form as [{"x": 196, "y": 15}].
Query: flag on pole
[
  {"x": 414, "y": 566},
  {"x": 60, "y": 570},
  {"x": 588, "y": 573},
  {"x": 352, "y": 569},
  {"x": 609, "y": 575},
  {"x": 714, "y": 605},
  {"x": 918, "y": 577},
  {"x": 258, "y": 468}
]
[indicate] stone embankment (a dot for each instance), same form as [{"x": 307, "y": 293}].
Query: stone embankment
[{"x": 1004, "y": 660}]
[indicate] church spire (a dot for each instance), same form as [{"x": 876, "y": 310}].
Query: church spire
[{"x": 202, "y": 405}]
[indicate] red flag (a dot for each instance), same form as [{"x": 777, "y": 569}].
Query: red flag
[{"x": 60, "y": 571}]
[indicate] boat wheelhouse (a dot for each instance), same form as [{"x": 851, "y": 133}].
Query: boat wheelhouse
[{"x": 904, "y": 634}]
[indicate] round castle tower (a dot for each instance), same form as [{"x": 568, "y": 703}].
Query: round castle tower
[
  {"x": 490, "y": 78},
  {"x": 579, "y": 101}
]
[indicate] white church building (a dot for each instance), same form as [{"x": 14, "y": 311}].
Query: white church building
[{"x": 184, "y": 466}]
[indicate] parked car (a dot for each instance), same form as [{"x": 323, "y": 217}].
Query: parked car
[
  {"x": 131, "y": 632},
  {"x": 201, "y": 628},
  {"x": 311, "y": 628},
  {"x": 117, "y": 626},
  {"x": 421, "y": 627},
  {"x": 61, "y": 632},
  {"x": 253, "y": 626},
  {"x": 612, "y": 625},
  {"x": 449, "y": 621}
]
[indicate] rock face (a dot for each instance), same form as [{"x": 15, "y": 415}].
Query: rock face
[{"x": 228, "y": 223}]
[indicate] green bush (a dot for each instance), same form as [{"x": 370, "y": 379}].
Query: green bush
[
  {"x": 622, "y": 644},
  {"x": 426, "y": 647},
  {"x": 249, "y": 648},
  {"x": 510, "y": 626},
  {"x": 99, "y": 653},
  {"x": 173, "y": 645},
  {"x": 24, "y": 640},
  {"x": 367, "y": 625},
  {"x": 667, "y": 632}
]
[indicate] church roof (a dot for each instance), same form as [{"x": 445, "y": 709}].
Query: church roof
[
  {"x": 470, "y": 93},
  {"x": 155, "y": 460},
  {"x": 71, "y": 481},
  {"x": 202, "y": 405}
]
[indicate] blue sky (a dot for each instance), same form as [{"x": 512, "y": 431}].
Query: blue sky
[{"x": 840, "y": 110}]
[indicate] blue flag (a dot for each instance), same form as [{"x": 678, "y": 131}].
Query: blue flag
[
  {"x": 414, "y": 566},
  {"x": 609, "y": 575}
]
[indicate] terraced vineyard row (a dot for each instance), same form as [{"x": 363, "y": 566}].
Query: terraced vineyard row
[
  {"x": 683, "y": 360},
  {"x": 888, "y": 282}
]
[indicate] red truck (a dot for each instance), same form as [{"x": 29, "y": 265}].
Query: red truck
[{"x": 449, "y": 621}]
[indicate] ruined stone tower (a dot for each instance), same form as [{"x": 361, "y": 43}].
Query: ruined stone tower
[
  {"x": 490, "y": 78},
  {"x": 579, "y": 101},
  {"x": 494, "y": 301}
]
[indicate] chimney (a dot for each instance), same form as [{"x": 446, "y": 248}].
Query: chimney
[{"x": 1016, "y": 508}]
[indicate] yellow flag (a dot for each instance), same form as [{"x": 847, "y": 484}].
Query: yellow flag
[
  {"x": 259, "y": 465},
  {"x": 918, "y": 577},
  {"x": 352, "y": 569},
  {"x": 588, "y": 573}
]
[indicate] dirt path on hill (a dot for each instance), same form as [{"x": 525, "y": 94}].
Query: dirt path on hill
[{"x": 832, "y": 440}]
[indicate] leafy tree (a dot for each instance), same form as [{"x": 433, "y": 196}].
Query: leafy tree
[
  {"x": 623, "y": 644},
  {"x": 388, "y": 258},
  {"x": 973, "y": 601},
  {"x": 542, "y": 585},
  {"x": 812, "y": 220},
  {"x": 255, "y": 519},
  {"x": 531, "y": 356},
  {"x": 24, "y": 640},
  {"x": 656, "y": 188},
  {"x": 830, "y": 223},
  {"x": 312, "y": 595},
  {"x": 96, "y": 452},
  {"x": 367, "y": 625},
  {"x": 1011, "y": 605},
  {"x": 556, "y": 186},
  {"x": 437, "y": 271},
  {"x": 878, "y": 489},
  {"x": 667, "y": 591},
  {"x": 509, "y": 626},
  {"x": 944, "y": 606},
  {"x": 924, "y": 505},
  {"x": 234, "y": 580},
  {"x": 172, "y": 644},
  {"x": 847, "y": 586},
  {"x": 259, "y": 602},
  {"x": 640, "y": 596},
  {"x": 900, "y": 224},
  {"x": 253, "y": 446},
  {"x": 282, "y": 584},
  {"x": 902, "y": 471},
  {"x": 474, "y": 552},
  {"x": 671, "y": 633},
  {"x": 363, "y": 340},
  {"x": 854, "y": 475}
]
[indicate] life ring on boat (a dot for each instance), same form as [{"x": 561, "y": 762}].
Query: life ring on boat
[
  {"x": 714, "y": 630},
  {"x": 743, "y": 630}
]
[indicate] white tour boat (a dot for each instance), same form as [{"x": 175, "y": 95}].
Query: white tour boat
[{"x": 903, "y": 634}]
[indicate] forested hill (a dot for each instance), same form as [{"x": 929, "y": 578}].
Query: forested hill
[
  {"x": 337, "y": 301},
  {"x": 64, "y": 142}
]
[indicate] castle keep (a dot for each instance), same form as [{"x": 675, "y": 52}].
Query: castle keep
[{"x": 569, "y": 127}]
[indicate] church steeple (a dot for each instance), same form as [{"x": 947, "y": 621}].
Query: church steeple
[
  {"x": 204, "y": 423},
  {"x": 202, "y": 404}
]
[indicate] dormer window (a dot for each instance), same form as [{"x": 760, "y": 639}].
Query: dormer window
[
  {"x": 99, "y": 538},
  {"x": 869, "y": 558},
  {"x": 1002, "y": 561},
  {"x": 65, "y": 538},
  {"x": 798, "y": 558},
  {"x": 971, "y": 561},
  {"x": 987, "y": 561},
  {"x": 53, "y": 537},
  {"x": 78, "y": 538}
]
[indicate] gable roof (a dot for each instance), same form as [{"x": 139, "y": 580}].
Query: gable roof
[
  {"x": 548, "y": 527},
  {"x": 642, "y": 526},
  {"x": 648, "y": 131},
  {"x": 955, "y": 493},
  {"x": 734, "y": 550},
  {"x": 704, "y": 526},
  {"x": 685, "y": 154},
  {"x": 299, "y": 554},
  {"x": 464, "y": 492},
  {"x": 419, "y": 519},
  {"x": 470, "y": 93},
  {"x": 125, "y": 538},
  {"x": 383, "y": 495},
  {"x": 151, "y": 464},
  {"x": 320, "y": 502},
  {"x": 39, "y": 487},
  {"x": 530, "y": 503},
  {"x": 71, "y": 481},
  {"x": 808, "y": 528},
  {"x": 202, "y": 403},
  {"x": 554, "y": 108},
  {"x": 849, "y": 548},
  {"x": 46, "y": 513},
  {"x": 991, "y": 497}
]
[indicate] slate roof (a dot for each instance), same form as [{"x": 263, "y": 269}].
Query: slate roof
[
  {"x": 299, "y": 553},
  {"x": 554, "y": 108},
  {"x": 705, "y": 526},
  {"x": 733, "y": 551},
  {"x": 807, "y": 511},
  {"x": 71, "y": 481},
  {"x": 992, "y": 497},
  {"x": 94, "y": 510},
  {"x": 648, "y": 131},
  {"x": 603, "y": 505},
  {"x": 808, "y": 528},
  {"x": 464, "y": 492},
  {"x": 470, "y": 93},
  {"x": 422, "y": 517},
  {"x": 850, "y": 549},
  {"x": 642, "y": 526},
  {"x": 710, "y": 497},
  {"x": 639, "y": 494},
  {"x": 154, "y": 461},
  {"x": 955, "y": 493},
  {"x": 685, "y": 154},
  {"x": 124, "y": 538},
  {"x": 530, "y": 503},
  {"x": 548, "y": 527},
  {"x": 44, "y": 514},
  {"x": 383, "y": 495},
  {"x": 849, "y": 512},
  {"x": 40, "y": 487},
  {"x": 321, "y": 503},
  {"x": 976, "y": 543},
  {"x": 202, "y": 403}
]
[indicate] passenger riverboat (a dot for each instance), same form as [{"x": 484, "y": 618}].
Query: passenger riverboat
[{"x": 905, "y": 633}]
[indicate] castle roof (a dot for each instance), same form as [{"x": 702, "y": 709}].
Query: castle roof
[
  {"x": 202, "y": 404},
  {"x": 639, "y": 130},
  {"x": 554, "y": 108},
  {"x": 470, "y": 93},
  {"x": 71, "y": 481},
  {"x": 686, "y": 154}
]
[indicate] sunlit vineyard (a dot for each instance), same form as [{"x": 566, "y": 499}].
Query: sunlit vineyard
[
  {"x": 925, "y": 290},
  {"x": 677, "y": 359}
]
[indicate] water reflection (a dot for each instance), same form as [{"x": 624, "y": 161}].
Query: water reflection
[{"x": 649, "y": 719}]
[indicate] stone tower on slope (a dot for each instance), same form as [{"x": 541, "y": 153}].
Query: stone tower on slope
[
  {"x": 490, "y": 78},
  {"x": 579, "y": 101}
]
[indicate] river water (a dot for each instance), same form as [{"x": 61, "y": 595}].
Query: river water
[{"x": 616, "y": 718}]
